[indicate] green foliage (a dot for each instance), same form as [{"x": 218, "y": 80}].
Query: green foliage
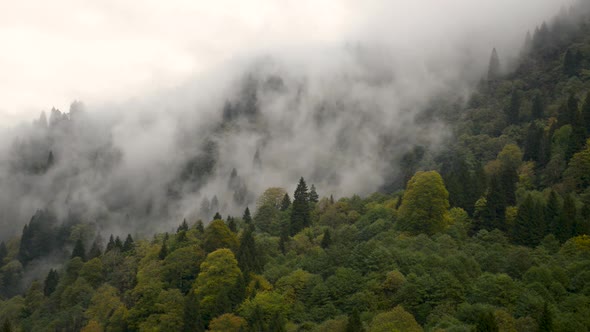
[
  {"x": 425, "y": 205},
  {"x": 300, "y": 214},
  {"x": 218, "y": 235}
]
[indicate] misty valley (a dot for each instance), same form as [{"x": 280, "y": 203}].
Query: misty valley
[{"x": 358, "y": 187}]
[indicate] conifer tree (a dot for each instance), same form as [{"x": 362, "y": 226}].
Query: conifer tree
[
  {"x": 111, "y": 243},
  {"x": 494, "y": 67},
  {"x": 546, "y": 320},
  {"x": 513, "y": 109},
  {"x": 528, "y": 228},
  {"x": 247, "y": 255},
  {"x": 538, "y": 108},
  {"x": 231, "y": 223},
  {"x": 183, "y": 227},
  {"x": 313, "y": 195},
  {"x": 286, "y": 202},
  {"x": 585, "y": 113},
  {"x": 493, "y": 215},
  {"x": 95, "y": 250},
  {"x": 247, "y": 217},
  {"x": 192, "y": 320},
  {"x": 128, "y": 246},
  {"x": 51, "y": 282},
  {"x": 79, "y": 250},
  {"x": 200, "y": 227},
  {"x": 217, "y": 216},
  {"x": 164, "y": 249},
  {"x": 326, "y": 240},
  {"x": 552, "y": 213},
  {"x": 567, "y": 219},
  {"x": 300, "y": 217},
  {"x": 118, "y": 243}
]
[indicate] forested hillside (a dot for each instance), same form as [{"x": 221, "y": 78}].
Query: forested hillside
[{"x": 490, "y": 233}]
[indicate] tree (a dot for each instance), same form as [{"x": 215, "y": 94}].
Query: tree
[
  {"x": 3, "y": 253},
  {"x": 567, "y": 219},
  {"x": 286, "y": 202},
  {"x": 79, "y": 250},
  {"x": 96, "y": 249},
  {"x": 192, "y": 320},
  {"x": 538, "y": 108},
  {"x": 183, "y": 227},
  {"x": 219, "y": 273},
  {"x": 586, "y": 113},
  {"x": 494, "y": 67},
  {"x": 546, "y": 320},
  {"x": 513, "y": 109},
  {"x": 354, "y": 323},
  {"x": 577, "y": 175},
  {"x": 397, "y": 319},
  {"x": 486, "y": 323},
  {"x": 326, "y": 240},
  {"x": 300, "y": 217},
  {"x": 247, "y": 218},
  {"x": 228, "y": 323},
  {"x": 552, "y": 212},
  {"x": 51, "y": 282},
  {"x": 231, "y": 224},
  {"x": 528, "y": 229},
  {"x": 218, "y": 235},
  {"x": 425, "y": 204},
  {"x": 248, "y": 255},
  {"x": 6, "y": 327},
  {"x": 200, "y": 227},
  {"x": 129, "y": 245},
  {"x": 313, "y": 195},
  {"x": 494, "y": 211},
  {"x": 111, "y": 243},
  {"x": 181, "y": 266}
]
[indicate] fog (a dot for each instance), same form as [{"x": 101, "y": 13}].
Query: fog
[{"x": 171, "y": 104}]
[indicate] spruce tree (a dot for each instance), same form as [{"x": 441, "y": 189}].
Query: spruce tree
[
  {"x": 300, "y": 217},
  {"x": 493, "y": 215},
  {"x": 567, "y": 219},
  {"x": 528, "y": 228},
  {"x": 79, "y": 250},
  {"x": 247, "y": 217},
  {"x": 586, "y": 113},
  {"x": 95, "y": 250},
  {"x": 111, "y": 243},
  {"x": 217, "y": 216},
  {"x": 183, "y": 227},
  {"x": 313, "y": 195},
  {"x": 231, "y": 224},
  {"x": 286, "y": 202},
  {"x": 494, "y": 67},
  {"x": 164, "y": 249},
  {"x": 200, "y": 227},
  {"x": 51, "y": 282},
  {"x": 546, "y": 320},
  {"x": 247, "y": 254},
  {"x": 538, "y": 108},
  {"x": 326, "y": 240},
  {"x": 118, "y": 243},
  {"x": 552, "y": 213},
  {"x": 128, "y": 246},
  {"x": 513, "y": 109},
  {"x": 192, "y": 319}
]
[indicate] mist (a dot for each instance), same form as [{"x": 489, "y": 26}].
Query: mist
[{"x": 272, "y": 99}]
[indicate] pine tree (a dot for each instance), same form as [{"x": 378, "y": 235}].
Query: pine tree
[
  {"x": 183, "y": 227},
  {"x": 538, "y": 108},
  {"x": 313, "y": 195},
  {"x": 111, "y": 243},
  {"x": 286, "y": 202},
  {"x": 51, "y": 282},
  {"x": 326, "y": 240},
  {"x": 200, "y": 227},
  {"x": 567, "y": 219},
  {"x": 570, "y": 63},
  {"x": 513, "y": 109},
  {"x": 300, "y": 217},
  {"x": 164, "y": 249},
  {"x": 534, "y": 143},
  {"x": 247, "y": 254},
  {"x": 354, "y": 323},
  {"x": 528, "y": 229},
  {"x": 247, "y": 217},
  {"x": 217, "y": 216},
  {"x": 118, "y": 243},
  {"x": 128, "y": 246},
  {"x": 494, "y": 67},
  {"x": 79, "y": 250},
  {"x": 552, "y": 213},
  {"x": 493, "y": 215},
  {"x": 192, "y": 319},
  {"x": 231, "y": 223},
  {"x": 546, "y": 320},
  {"x": 95, "y": 250}
]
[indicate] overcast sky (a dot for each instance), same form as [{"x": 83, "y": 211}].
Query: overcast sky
[{"x": 54, "y": 52}]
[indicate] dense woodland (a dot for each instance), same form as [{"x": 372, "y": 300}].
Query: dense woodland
[{"x": 491, "y": 234}]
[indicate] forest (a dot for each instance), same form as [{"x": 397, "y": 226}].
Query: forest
[{"x": 489, "y": 233}]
